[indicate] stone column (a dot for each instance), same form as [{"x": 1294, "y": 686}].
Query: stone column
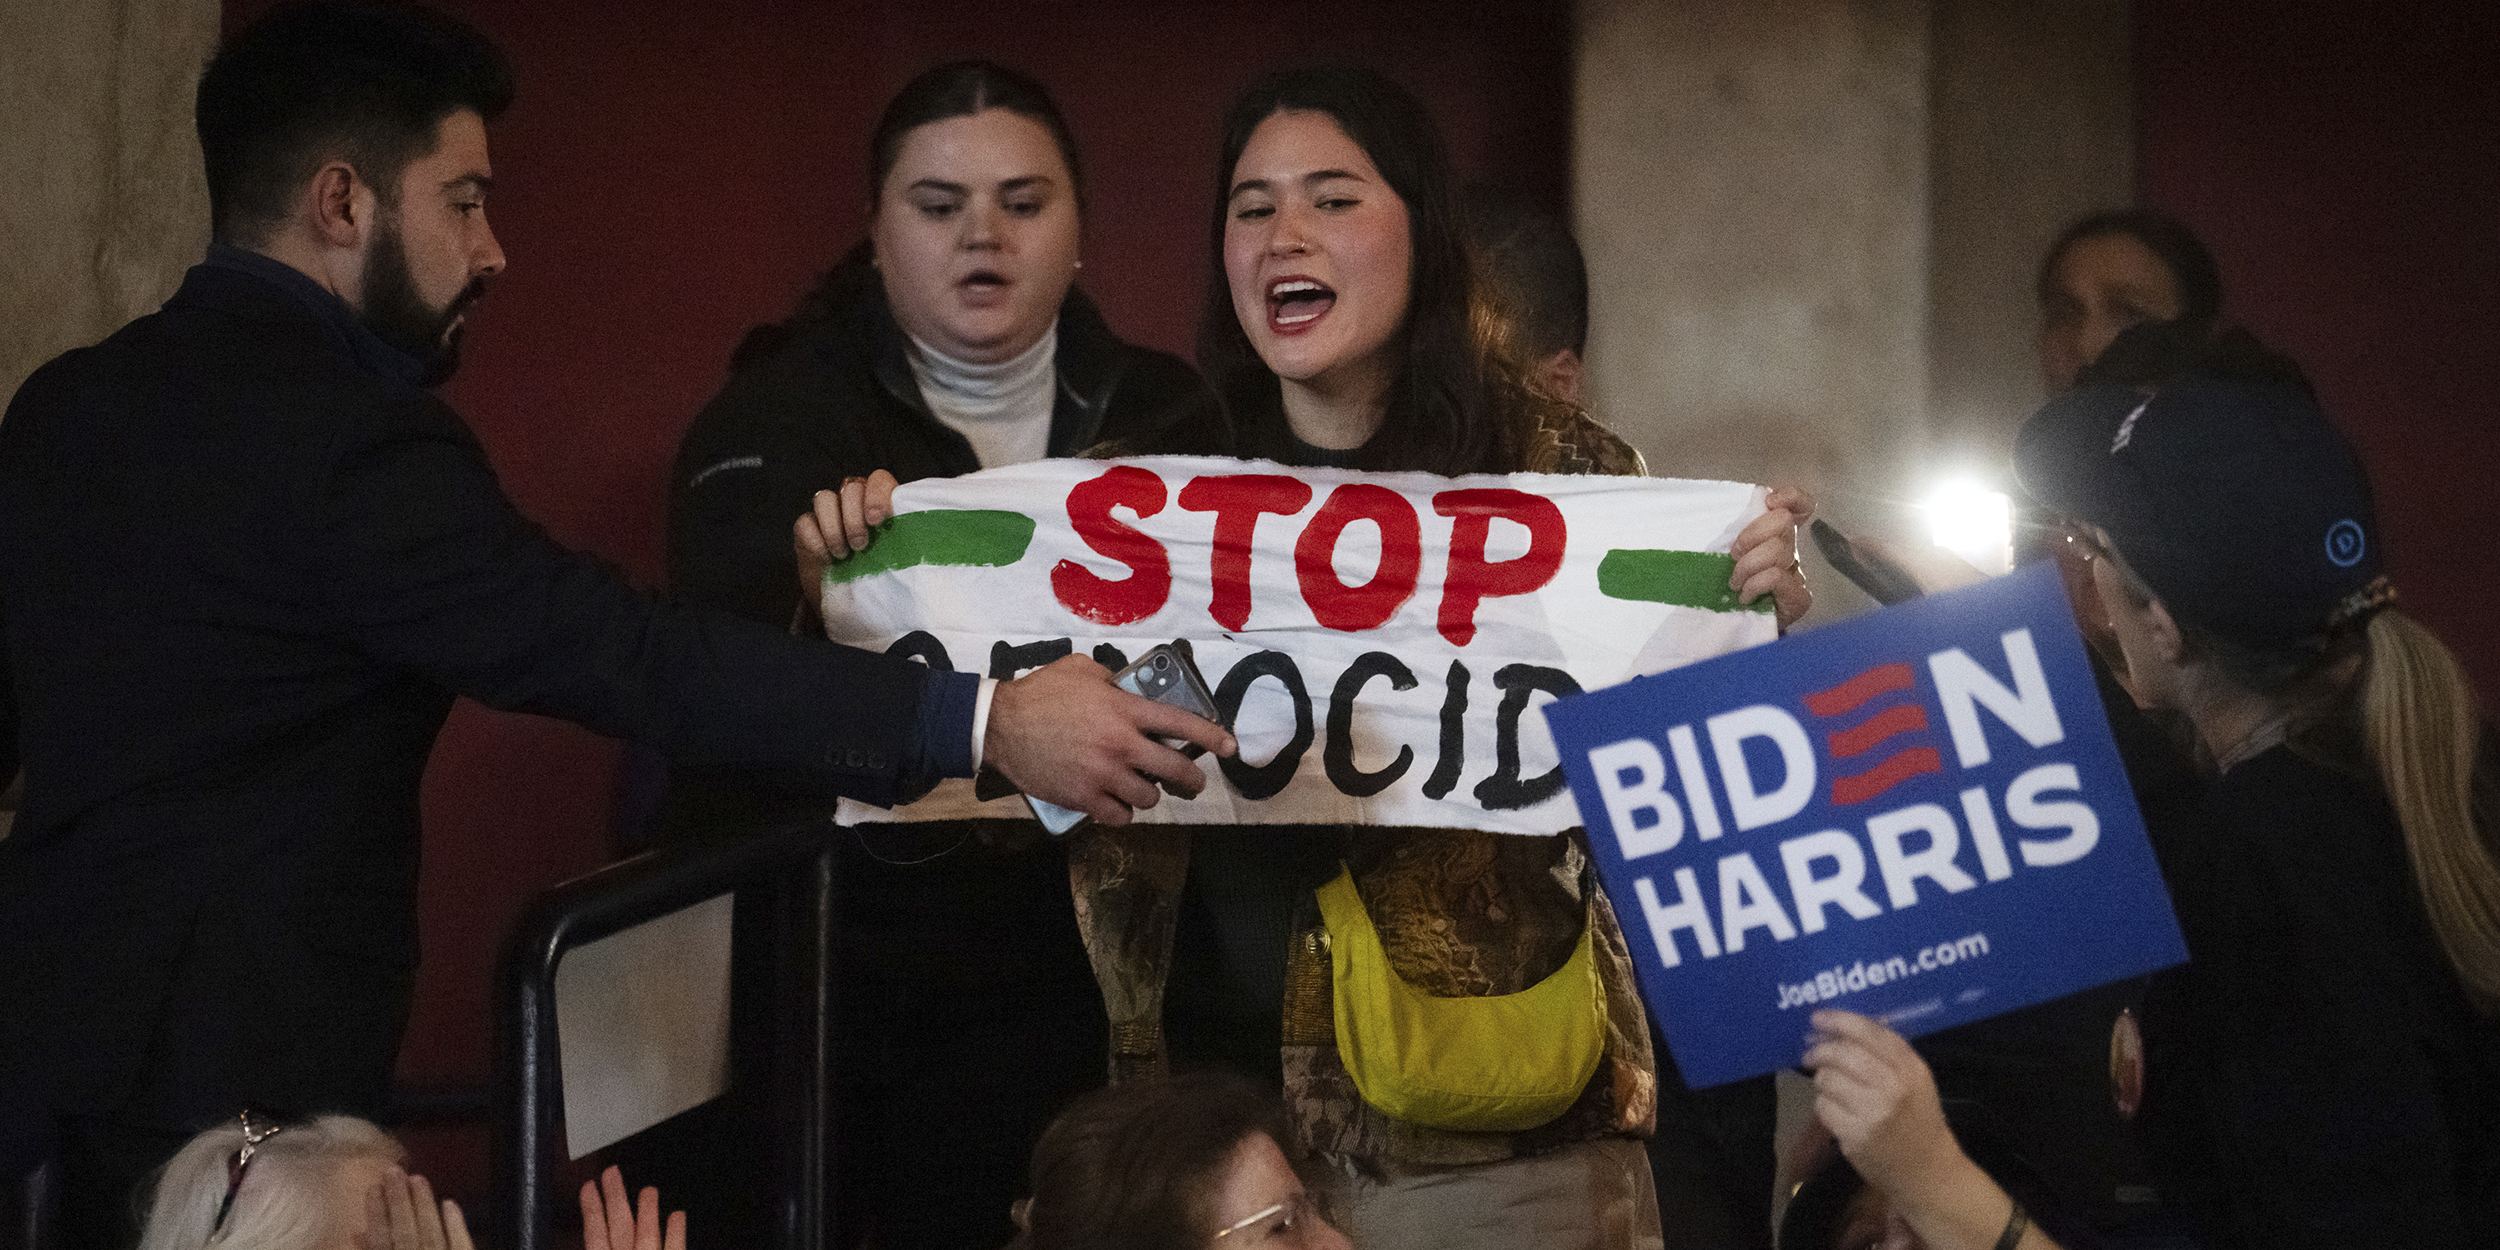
[{"x": 102, "y": 200}]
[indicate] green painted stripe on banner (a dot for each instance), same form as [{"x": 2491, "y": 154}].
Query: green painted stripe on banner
[
  {"x": 1692, "y": 579},
  {"x": 965, "y": 537}
]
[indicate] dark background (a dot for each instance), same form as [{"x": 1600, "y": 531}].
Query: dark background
[{"x": 675, "y": 173}]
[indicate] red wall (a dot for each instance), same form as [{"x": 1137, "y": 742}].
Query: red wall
[
  {"x": 675, "y": 173},
  {"x": 2343, "y": 161}
]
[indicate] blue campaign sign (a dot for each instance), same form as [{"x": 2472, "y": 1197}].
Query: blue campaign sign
[{"x": 1917, "y": 815}]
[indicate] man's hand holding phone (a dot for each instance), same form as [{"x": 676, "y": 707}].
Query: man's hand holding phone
[{"x": 1066, "y": 736}]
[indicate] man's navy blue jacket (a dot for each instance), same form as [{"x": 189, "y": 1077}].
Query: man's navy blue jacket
[{"x": 245, "y": 565}]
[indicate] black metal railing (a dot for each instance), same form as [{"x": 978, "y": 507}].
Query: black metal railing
[{"x": 790, "y": 873}]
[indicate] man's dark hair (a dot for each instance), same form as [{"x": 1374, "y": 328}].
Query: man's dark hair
[
  {"x": 962, "y": 89},
  {"x": 1533, "y": 269},
  {"x": 354, "y": 79}
]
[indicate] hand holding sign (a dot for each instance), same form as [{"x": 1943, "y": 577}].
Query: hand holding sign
[
  {"x": 1064, "y": 734},
  {"x": 1879, "y": 1100}
]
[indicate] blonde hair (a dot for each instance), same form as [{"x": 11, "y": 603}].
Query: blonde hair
[
  {"x": 2423, "y": 734},
  {"x": 287, "y": 1200}
]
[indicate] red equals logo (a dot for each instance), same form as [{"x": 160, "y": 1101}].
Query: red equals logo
[{"x": 1883, "y": 728}]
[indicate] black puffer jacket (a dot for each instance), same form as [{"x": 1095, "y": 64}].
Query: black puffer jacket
[{"x": 829, "y": 394}]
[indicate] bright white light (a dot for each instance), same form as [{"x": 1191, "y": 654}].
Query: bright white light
[{"x": 1975, "y": 524}]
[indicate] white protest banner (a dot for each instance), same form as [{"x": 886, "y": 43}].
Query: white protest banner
[{"x": 1379, "y": 638}]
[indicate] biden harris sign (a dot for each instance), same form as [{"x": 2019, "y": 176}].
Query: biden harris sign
[{"x": 1918, "y": 815}]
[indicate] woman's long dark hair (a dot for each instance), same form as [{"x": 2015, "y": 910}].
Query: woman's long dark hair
[{"x": 1440, "y": 417}]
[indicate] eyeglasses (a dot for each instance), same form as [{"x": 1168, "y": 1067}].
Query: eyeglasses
[
  {"x": 1287, "y": 1216},
  {"x": 253, "y": 1136}
]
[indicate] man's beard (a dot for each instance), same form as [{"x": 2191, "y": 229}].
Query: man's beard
[{"x": 399, "y": 316}]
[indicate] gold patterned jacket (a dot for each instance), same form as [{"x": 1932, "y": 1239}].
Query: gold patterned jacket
[{"x": 1460, "y": 913}]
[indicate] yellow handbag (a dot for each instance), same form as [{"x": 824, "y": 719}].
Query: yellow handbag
[{"x": 1501, "y": 1063}]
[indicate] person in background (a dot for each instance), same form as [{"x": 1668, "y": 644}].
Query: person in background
[
  {"x": 1711, "y": 1155},
  {"x": 2113, "y": 288},
  {"x": 2325, "y": 1070},
  {"x": 953, "y": 339},
  {"x": 1182, "y": 1163},
  {"x": 2103, "y": 276},
  {"x": 209, "y": 899},
  {"x": 1534, "y": 273},
  {"x": 2115, "y": 269},
  {"x": 1194, "y": 1162},
  {"x": 2124, "y": 294},
  {"x": 333, "y": 1182}
]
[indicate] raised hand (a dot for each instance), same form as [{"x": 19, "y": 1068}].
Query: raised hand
[
  {"x": 401, "y": 1213},
  {"x": 609, "y": 1222},
  {"x": 1879, "y": 1100},
  {"x": 1766, "y": 556}
]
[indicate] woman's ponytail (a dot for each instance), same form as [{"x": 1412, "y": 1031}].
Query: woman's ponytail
[{"x": 2423, "y": 733}]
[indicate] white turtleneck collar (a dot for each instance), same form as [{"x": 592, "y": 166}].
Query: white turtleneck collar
[{"x": 1004, "y": 409}]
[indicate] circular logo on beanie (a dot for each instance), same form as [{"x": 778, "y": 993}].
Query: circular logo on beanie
[{"x": 2343, "y": 543}]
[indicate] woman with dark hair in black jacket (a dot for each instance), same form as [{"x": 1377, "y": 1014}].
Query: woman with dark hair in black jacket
[{"x": 952, "y": 340}]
